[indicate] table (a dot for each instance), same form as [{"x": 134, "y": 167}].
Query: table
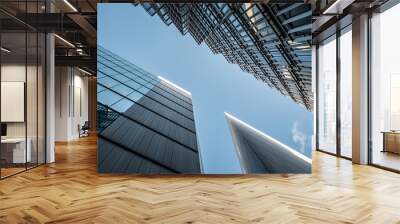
[
  {"x": 13, "y": 150},
  {"x": 391, "y": 141}
]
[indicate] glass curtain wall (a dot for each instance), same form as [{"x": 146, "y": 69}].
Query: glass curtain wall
[
  {"x": 22, "y": 90},
  {"x": 385, "y": 89},
  {"x": 346, "y": 92},
  {"x": 327, "y": 95},
  {"x": 335, "y": 73}
]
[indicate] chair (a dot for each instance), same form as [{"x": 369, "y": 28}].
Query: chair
[{"x": 84, "y": 130}]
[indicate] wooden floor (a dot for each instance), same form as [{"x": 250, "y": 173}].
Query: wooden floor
[
  {"x": 386, "y": 159},
  {"x": 70, "y": 191},
  {"x": 5, "y": 172}
]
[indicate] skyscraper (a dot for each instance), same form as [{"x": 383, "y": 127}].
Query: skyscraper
[
  {"x": 259, "y": 153},
  {"x": 145, "y": 123},
  {"x": 270, "y": 41}
]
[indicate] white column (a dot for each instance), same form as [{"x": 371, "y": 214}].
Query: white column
[
  {"x": 360, "y": 90},
  {"x": 50, "y": 92},
  {"x": 50, "y": 99}
]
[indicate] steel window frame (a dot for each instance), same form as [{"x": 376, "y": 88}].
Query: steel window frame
[
  {"x": 370, "y": 159},
  {"x": 369, "y": 96},
  {"x": 338, "y": 152}
]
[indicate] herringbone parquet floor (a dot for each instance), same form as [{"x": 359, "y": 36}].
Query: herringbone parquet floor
[{"x": 70, "y": 191}]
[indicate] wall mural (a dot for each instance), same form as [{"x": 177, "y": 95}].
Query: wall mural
[{"x": 148, "y": 124}]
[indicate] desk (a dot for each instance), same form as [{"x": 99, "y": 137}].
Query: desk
[
  {"x": 391, "y": 141},
  {"x": 13, "y": 150}
]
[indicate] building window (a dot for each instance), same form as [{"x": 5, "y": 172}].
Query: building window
[
  {"x": 327, "y": 96},
  {"x": 346, "y": 93},
  {"x": 385, "y": 89}
]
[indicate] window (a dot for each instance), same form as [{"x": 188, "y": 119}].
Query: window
[
  {"x": 122, "y": 105},
  {"x": 108, "y": 97},
  {"x": 327, "y": 96},
  {"x": 385, "y": 89},
  {"x": 346, "y": 93}
]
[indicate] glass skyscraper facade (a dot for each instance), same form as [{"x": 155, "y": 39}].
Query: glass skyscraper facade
[
  {"x": 260, "y": 153},
  {"x": 145, "y": 123},
  {"x": 270, "y": 41}
]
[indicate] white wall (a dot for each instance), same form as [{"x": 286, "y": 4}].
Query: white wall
[
  {"x": 71, "y": 102},
  {"x": 12, "y": 73},
  {"x": 33, "y": 126},
  {"x": 61, "y": 103},
  {"x": 80, "y": 112}
]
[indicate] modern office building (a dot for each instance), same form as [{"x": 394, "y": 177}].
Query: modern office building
[
  {"x": 270, "y": 41},
  {"x": 260, "y": 153},
  {"x": 145, "y": 123},
  {"x": 48, "y": 83},
  {"x": 357, "y": 81}
]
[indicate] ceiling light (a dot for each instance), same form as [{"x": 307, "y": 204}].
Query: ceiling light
[
  {"x": 303, "y": 47},
  {"x": 70, "y": 5},
  {"x": 84, "y": 71},
  {"x": 5, "y": 50},
  {"x": 64, "y": 40},
  {"x": 337, "y": 7}
]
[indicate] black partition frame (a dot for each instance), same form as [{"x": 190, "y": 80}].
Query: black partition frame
[{"x": 26, "y": 31}]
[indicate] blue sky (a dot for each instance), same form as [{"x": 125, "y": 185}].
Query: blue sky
[{"x": 216, "y": 85}]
